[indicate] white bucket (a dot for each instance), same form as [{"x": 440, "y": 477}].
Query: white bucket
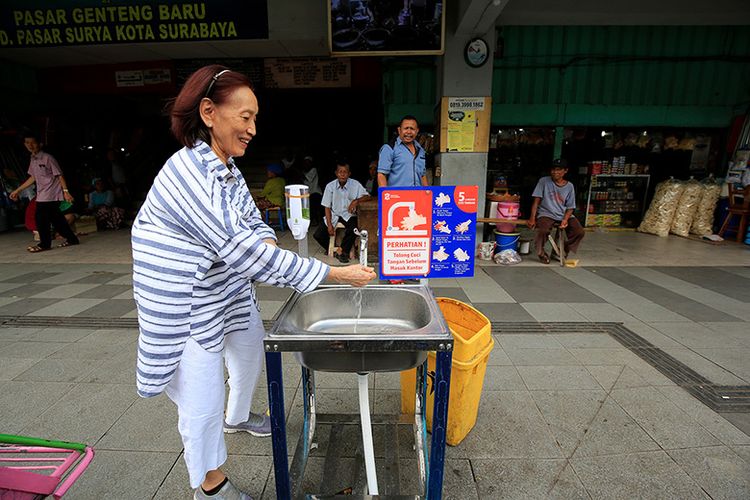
[
  {"x": 486, "y": 249},
  {"x": 524, "y": 247}
]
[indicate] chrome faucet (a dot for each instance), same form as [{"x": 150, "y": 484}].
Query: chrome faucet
[{"x": 362, "y": 246}]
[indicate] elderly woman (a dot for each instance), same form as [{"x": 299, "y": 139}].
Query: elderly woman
[{"x": 199, "y": 246}]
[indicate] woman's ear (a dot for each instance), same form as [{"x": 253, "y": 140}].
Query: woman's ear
[{"x": 207, "y": 110}]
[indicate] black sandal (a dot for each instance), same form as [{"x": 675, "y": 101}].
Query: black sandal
[
  {"x": 544, "y": 258},
  {"x": 66, "y": 243}
]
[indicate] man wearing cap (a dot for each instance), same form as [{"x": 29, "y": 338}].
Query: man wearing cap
[{"x": 554, "y": 202}]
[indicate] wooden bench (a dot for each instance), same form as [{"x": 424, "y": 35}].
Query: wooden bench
[{"x": 492, "y": 220}]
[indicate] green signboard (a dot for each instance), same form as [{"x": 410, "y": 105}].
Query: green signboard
[{"x": 49, "y": 23}]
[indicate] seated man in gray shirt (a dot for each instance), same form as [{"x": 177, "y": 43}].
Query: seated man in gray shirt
[{"x": 554, "y": 201}]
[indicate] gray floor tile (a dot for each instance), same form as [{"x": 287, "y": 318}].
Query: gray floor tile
[
  {"x": 739, "y": 420},
  {"x": 61, "y": 291},
  {"x": 126, "y": 279},
  {"x": 104, "y": 291},
  {"x": 651, "y": 334},
  {"x": 64, "y": 278},
  {"x": 5, "y": 288},
  {"x": 557, "y": 378},
  {"x": 115, "y": 336},
  {"x": 602, "y": 313},
  {"x": 23, "y": 401},
  {"x": 516, "y": 426},
  {"x": 67, "y": 307},
  {"x": 112, "y": 308},
  {"x": 101, "y": 277},
  {"x": 458, "y": 481},
  {"x": 541, "y": 357},
  {"x": 617, "y": 376},
  {"x": 674, "y": 302},
  {"x": 88, "y": 350},
  {"x": 498, "y": 357},
  {"x": 84, "y": 415},
  {"x": 713, "y": 372},
  {"x": 616, "y": 356},
  {"x": 14, "y": 334},
  {"x": 526, "y": 284},
  {"x": 717, "y": 280},
  {"x": 386, "y": 402},
  {"x": 713, "y": 422},
  {"x": 692, "y": 335},
  {"x": 117, "y": 369},
  {"x": 123, "y": 475},
  {"x": 58, "y": 370},
  {"x": 665, "y": 423},
  {"x": 27, "y": 291},
  {"x": 453, "y": 293},
  {"x": 569, "y": 414},
  {"x": 503, "y": 312},
  {"x": 387, "y": 380},
  {"x": 11, "y": 367},
  {"x": 502, "y": 378},
  {"x": 524, "y": 479},
  {"x": 637, "y": 475},
  {"x": 612, "y": 431},
  {"x": 23, "y": 307},
  {"x": 586, "y": 340},
  {"x": 735, "y": 360},
  {"x": 553, "y": 312},
  {"x": 54, "y": 334},
  {"x": 249, "y": 473},
  {"x": 528, "y": 341},
  {"x": 743, "y": 452},
  {"x": 719, "y": 471},
  {"x": 29, "y": 277},
  {"x": 148, "y": 425},
  {"x": 29, "y": 350}
]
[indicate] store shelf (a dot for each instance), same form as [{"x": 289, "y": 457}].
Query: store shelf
[{"x": 616, "y": 200}]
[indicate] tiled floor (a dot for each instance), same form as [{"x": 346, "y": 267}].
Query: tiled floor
[{"x": 568, "y": 414}]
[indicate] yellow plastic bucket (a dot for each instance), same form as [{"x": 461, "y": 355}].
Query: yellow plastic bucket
[{"x": 472, "y": 345}]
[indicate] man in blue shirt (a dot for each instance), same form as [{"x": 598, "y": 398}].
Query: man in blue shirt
[
  {"x": 340, "y": 200},
  {"x": 555, "y": 201},
  {"x": 403, "y": 162}
]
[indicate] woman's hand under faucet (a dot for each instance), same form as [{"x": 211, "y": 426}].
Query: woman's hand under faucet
[{"x": 355, "y": 275}]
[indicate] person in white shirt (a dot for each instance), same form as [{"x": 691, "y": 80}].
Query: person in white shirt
[{"x": 340, "y": 200}]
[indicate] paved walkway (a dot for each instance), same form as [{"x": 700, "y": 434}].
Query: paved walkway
[{"x": 573, "y": 406}]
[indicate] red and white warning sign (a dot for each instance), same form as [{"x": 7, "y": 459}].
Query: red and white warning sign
[{"x": 406, "y": 229}]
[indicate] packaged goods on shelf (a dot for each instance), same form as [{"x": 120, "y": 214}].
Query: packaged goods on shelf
[
  {"x": 658, "y": 218},
  {"x": 703, "y": 221},
  {"x": 686, "y": 207}
]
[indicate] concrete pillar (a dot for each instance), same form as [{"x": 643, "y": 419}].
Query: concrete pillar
[{"x": 458, "y": 79}]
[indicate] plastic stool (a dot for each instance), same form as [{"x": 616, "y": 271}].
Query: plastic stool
[{"x": 280, "y": 217}]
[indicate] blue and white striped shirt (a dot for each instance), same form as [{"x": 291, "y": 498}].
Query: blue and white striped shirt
[{"x": 197, "y": 250}]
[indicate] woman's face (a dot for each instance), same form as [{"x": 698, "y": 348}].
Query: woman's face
[{"x": 232, "y": 124}]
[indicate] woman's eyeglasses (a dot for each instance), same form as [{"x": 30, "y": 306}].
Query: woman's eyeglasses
[{"x": 214, "y": 79}]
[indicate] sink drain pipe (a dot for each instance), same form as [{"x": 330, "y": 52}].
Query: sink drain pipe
[{"x": 364, "y": 412}]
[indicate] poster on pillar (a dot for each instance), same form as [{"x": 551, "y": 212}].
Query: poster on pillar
[
  {"x": 465, "y": 124},
  {"x": 427, "y": 232}
]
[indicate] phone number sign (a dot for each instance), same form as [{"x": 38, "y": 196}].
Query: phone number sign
[{"x": 427, "y": 232}]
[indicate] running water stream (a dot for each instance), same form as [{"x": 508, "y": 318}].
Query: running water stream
[{"x": 357, "y": 306}]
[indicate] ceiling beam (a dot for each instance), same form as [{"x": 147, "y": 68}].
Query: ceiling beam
[{"x": 478, "y": 16}]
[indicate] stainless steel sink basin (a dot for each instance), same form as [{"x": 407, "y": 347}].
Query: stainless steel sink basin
[{"x": 375, "y": 328}]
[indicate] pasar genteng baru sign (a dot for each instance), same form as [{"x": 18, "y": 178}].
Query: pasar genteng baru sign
[{"x": 52, "y": 23}]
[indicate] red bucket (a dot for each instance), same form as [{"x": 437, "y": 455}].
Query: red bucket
[{"x": 507, "y": 210}]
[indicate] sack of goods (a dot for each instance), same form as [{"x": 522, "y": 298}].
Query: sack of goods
[
  {"x": 703, "y": 221},
  {"x": 658, "y": 218},
  {"x": 686, "y": 208}
]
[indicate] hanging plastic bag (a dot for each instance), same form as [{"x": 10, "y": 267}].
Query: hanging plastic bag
[
  {"x": 686, "y": 208},
  {"x": 658, "y": 218}
]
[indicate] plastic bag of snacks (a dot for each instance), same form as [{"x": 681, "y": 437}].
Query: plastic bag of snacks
[
  {"x": 704, "y": 216},
  {"x": 686, "y": 207},
  {"x": 658, "y": 218}
]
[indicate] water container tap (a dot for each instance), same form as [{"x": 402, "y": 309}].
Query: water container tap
[{"x": 362, "y": 245}]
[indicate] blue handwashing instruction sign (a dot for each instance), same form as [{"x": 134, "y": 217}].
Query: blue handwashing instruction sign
[{"x": 427, "y": 232}]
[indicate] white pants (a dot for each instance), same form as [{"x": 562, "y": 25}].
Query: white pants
[{"x": 197, "y": 389}]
